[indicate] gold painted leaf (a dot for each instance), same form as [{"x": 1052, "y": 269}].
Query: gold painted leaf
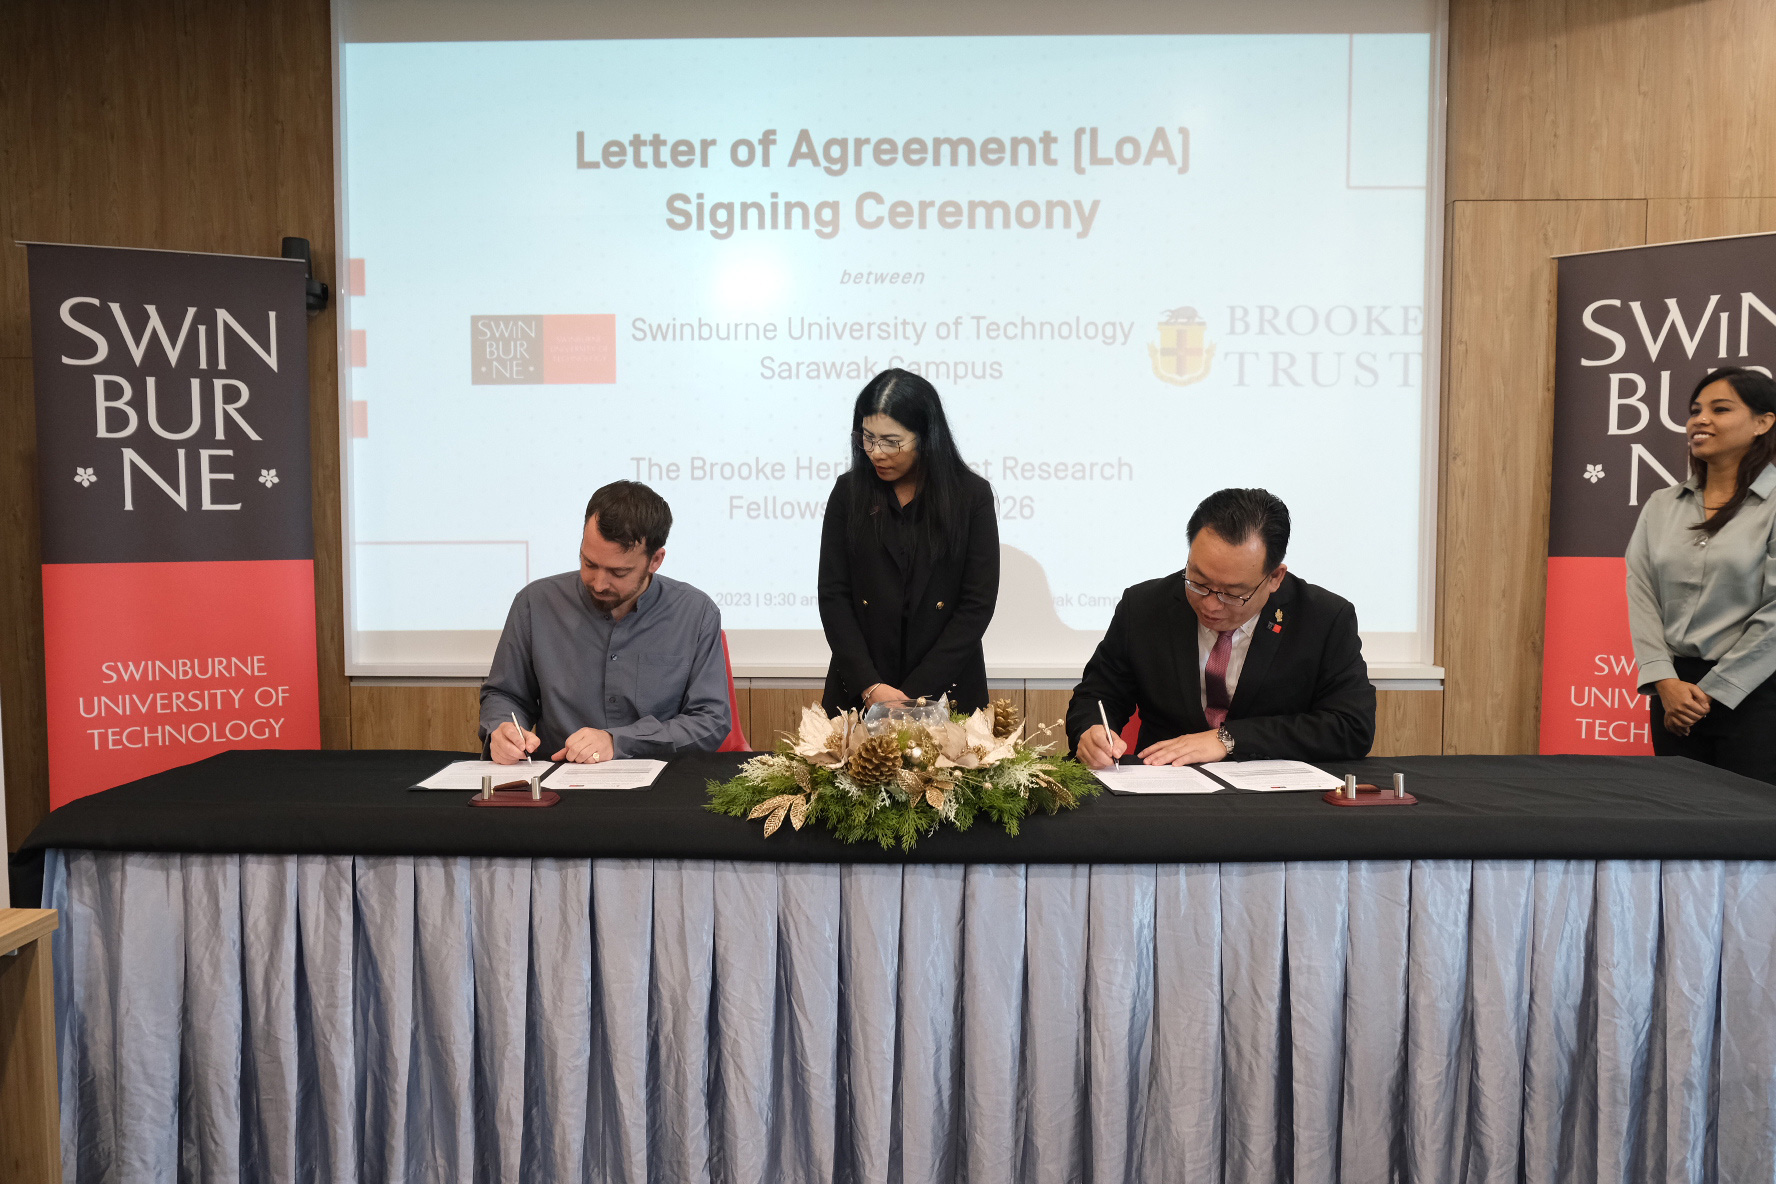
[
  {"x": 770, "y": 804},
  {"x": 935, "y": 796},
  {"x": 775, "y": 820},
  {"x": 1062, "y": 795},
  {"x": 798, "y": 813}
]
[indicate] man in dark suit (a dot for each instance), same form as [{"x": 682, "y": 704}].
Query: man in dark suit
[{"x": 1232, "y": 658}]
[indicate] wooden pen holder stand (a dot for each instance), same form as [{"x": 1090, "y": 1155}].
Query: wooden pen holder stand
[
  {"x": 1367, "y": 795},
  {"x": 514, "y": 793},
  {"x": 516, "y": 797}
]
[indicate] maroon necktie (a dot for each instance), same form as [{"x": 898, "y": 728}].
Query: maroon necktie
[{"x": 1215, "y": 679}]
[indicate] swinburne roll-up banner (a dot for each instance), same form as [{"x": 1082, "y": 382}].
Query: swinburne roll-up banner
[
  {"x": 1636, "y": 329},
  {"x": 178, "y": 550}
]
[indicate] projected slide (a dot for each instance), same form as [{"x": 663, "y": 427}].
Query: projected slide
[{"x": 1138, "y": 269}]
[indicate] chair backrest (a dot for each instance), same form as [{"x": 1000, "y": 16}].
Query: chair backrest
[
  {"x": 1131, "y": 731},
  {"x": 736, "y": 739}
]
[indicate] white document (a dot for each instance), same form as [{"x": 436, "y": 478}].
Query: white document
[
  {"x": 623, "y": 774},
  {"x": 1155, "y": 779},
  {"x": 468, "y": 774},
  {"x": 1271, "y": 776}
]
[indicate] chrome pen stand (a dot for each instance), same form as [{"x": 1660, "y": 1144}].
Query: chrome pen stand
[
  {"x": 1352, "y": 794},
  {"x": 522, "y": 794}
]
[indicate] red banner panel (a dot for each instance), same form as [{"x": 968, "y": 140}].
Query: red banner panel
[
  {"x": 173, "y": 479},
  {"x": 1589, "y": 700},
  {"x": 183, "y": 668},
  {"x": 1635, "y": 330}
]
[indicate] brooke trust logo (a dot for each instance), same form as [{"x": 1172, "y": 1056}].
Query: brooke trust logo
[
  {"x": 1183, "y": 354},
  {"x": 553, "y": 348}
]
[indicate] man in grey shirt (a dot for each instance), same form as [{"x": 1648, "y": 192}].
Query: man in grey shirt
[{"x": 613, "y": 660}]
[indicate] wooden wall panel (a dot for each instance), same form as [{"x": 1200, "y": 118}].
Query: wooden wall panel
[
  {"x": 22, "y": 713},
  {"x": 1710, "y": 101},
  {"x": 384, "y": 716},
  {"x": 1611, "y": 99},
  {"x": 416, "y": 717},
  {"x": 445, "y": 716},
  {"x": 1537, "y": 92},
  {"x": 1408, "y": 723},
  {"x": 199, "y": 125},
  {"x": 1497, "y": 425},
  {"x": 777, "y": 710},
  {"x": 1046, "y": 707},
  {"x": 1673, "y": 219}
]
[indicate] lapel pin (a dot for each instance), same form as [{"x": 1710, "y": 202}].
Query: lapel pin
[{"x": 1278, "y": 627}]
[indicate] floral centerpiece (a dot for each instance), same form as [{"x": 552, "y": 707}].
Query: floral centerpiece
[{"x": 894, "y": 777}]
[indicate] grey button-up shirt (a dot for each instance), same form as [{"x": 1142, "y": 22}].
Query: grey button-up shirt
[
  {"x": 656, "y": 680},
  {"x": 1692, "y": 596}
]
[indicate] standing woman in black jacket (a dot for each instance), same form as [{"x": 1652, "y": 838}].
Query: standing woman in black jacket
[{"x": 909, "y": 556}]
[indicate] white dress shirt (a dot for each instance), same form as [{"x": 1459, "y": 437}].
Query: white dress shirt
[{"x": 1205, "y": 641}]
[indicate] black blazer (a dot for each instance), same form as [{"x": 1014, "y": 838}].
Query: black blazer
[
  {"x": 1303, "y": 693},
  {"x": 863, "y": 591}
]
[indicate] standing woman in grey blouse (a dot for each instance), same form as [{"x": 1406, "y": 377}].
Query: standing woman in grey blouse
[{"x": 1702, "y": 584}]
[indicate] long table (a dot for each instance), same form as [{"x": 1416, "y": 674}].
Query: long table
[
  {"x": 1470, "y": 807},
  {"x": 1551, "y": 968}
]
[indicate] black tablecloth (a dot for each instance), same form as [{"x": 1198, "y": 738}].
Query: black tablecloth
[{"x": 1504, "y": 807}]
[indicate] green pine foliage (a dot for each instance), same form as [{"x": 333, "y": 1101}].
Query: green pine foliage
[{"x": 888, "y": 816}]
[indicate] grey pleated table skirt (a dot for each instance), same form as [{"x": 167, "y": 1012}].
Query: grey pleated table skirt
[{"x": 338, "y": 1018}]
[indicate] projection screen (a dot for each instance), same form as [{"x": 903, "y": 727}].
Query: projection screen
[{"x": 1143, "y": 251}]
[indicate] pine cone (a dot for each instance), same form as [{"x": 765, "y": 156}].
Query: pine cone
[
  {"x": 1005, "y": 718},
  {"x": 876, "y": 760}
]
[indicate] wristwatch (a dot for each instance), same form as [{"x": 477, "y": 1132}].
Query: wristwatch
[{"x": 1226, "y": 738}]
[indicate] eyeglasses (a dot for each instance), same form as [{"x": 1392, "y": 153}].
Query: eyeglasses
[
  {"x": 886, "y": 445},
  {"x": 1228, "y": 598}
]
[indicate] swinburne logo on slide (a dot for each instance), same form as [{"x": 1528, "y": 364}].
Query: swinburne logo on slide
[{"x": 530, "y": 350}]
